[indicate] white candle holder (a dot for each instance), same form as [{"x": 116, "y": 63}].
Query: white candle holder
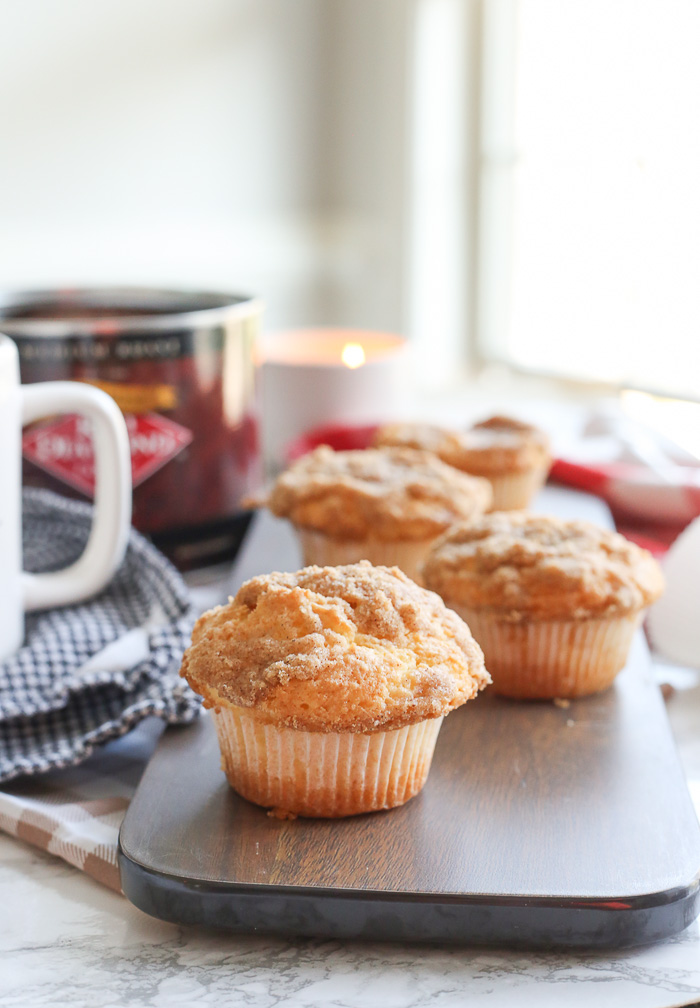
[{"x": 314, "y": 377}]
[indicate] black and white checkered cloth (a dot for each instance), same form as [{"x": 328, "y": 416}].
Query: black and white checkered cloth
[{"x": 89, "y": 672}]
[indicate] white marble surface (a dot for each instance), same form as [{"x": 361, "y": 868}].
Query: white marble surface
[
  {"x": 68, "y": 941},
  {"x": 65, "y": 940}
]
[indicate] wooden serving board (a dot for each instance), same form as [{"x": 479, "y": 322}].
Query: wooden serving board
[{"x": 538, "y": 825}]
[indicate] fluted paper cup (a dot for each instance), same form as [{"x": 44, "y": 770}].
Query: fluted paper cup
[
  {"x": 323, "y": 774},
  {"x": 325, "y": 551},
  {"x": 544, "y": 659},
  {"x": 513, "y": 491}
]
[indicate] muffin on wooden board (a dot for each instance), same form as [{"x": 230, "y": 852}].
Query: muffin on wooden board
[
  {"x": 553, "y": 603},
  {"x": 329, "y": 686},
  {"x": 514, "y": 456},
  {"x": 383, "y": 505}
]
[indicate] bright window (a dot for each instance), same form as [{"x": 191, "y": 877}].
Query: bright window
[{"x": 590, "y": 226}]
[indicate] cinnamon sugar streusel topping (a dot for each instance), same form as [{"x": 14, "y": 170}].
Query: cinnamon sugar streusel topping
[
  {"x": 494, "y": 446},
  {"x": 335, "y": 649},
  {"x": 386, "y": 494},
  {"x": 526, "y": 566}
]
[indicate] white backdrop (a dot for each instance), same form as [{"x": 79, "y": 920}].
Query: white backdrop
[{"x": 248, "y": 144}]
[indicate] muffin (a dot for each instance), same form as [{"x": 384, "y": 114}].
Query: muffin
[
  {"x": 329, "y": 686},
  {"x": 553, "y": 603},
  {"x": 387, "y": 506},
  {"x": 513, "y": 456}
]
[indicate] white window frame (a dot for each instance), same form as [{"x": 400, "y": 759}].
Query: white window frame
[{"x": 496, "y": 144}]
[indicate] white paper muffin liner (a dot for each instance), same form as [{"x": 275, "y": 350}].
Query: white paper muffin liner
[
  {"x": 323, "y": 774},
  {"x": 321, "y": 549},
  {"x": 513, "y": 491},
  {"x": 551, "y": 658}
]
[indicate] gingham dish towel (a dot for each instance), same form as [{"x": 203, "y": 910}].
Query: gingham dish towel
[
  {"x": 75, "y": 814},
  {"x": 88, "y": 673}
]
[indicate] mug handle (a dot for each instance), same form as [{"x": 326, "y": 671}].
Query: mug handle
[{"x": 108, "y": 537}]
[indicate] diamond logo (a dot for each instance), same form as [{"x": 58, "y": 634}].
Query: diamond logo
[{"x": 63, "y": 447}]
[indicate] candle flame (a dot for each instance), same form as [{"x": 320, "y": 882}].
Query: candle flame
[{"x": 353, "y": 355}]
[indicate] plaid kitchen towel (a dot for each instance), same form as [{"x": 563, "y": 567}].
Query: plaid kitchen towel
[
  {"x": 88, "y": 673},
  {"x": 76, "y": 813}
]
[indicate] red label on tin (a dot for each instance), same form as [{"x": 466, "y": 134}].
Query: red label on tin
[{"x": 64, "y": 448}]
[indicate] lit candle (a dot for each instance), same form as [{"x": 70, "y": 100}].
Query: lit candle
[
  {"x": 314, "y": 377},
  {"x": 353, "y": 355}
]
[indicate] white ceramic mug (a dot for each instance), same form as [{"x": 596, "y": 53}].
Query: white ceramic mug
[{"x": 20, "y": 404}]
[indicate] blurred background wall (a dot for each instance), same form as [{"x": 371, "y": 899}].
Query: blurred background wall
[
  {"x": 217, "y": 142},
  {"x": 505, "y": 181}
]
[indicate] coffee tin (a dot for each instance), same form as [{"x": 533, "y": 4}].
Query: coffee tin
[{"x": 181, "y": 366}]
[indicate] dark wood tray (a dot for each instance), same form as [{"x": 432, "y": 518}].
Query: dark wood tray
[{"x": 539, "y": 825}]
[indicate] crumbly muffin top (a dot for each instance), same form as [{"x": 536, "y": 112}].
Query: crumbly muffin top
[
  {"x": 335, "y": 649},
  {"x": 492, "y": 447},
  {"x": 386, "y": 494},
  {"x": 529, "y": 567}
]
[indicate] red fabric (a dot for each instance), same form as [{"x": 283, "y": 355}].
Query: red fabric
[
  {"x": 650, "y": 514},
  {"x": 341, "y": 437},
  {"x": 594, "y": 479}
]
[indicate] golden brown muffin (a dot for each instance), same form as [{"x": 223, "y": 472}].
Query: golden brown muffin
[
  {"x": 514, "y": 456},
  {"x": 329, "y": 686},
  {"x": 384, "y": 505},
  {"x": 553, "y": 603}
]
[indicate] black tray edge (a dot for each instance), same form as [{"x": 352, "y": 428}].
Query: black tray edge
[{"x": 539, "y": 922}]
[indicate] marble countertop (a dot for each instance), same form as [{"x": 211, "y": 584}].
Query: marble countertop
[{"x": 64, "y": 939}]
